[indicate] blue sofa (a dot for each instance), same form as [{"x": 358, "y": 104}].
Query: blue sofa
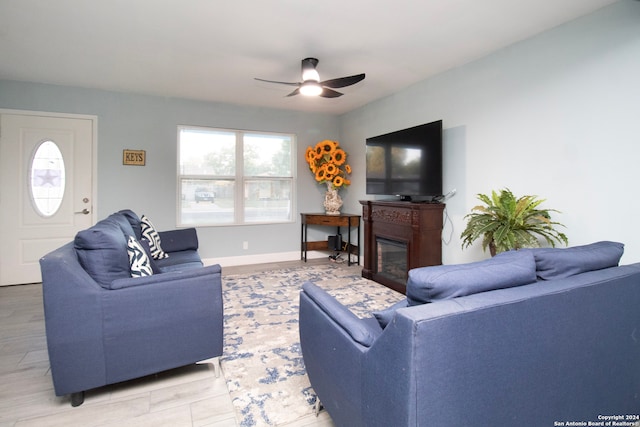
[
  {"x": 556, "y": 339},
  {"x": 104, "y": 326}
]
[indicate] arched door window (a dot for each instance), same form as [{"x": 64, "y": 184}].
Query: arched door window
[{"x": 47, "y": 178}]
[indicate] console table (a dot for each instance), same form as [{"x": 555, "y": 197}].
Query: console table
[
  {"x": 342, "y": 220},
  {"x": 399, "y": 236}
]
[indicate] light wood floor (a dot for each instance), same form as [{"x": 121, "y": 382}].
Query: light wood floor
[{"x": 188, "y": 396}]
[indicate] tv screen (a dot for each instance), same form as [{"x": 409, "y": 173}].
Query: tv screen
[{"x": 406, "y": 163}]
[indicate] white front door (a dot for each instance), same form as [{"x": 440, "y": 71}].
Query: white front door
[{"x": 46, "y": 188}]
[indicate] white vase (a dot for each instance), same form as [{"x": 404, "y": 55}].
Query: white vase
[{"x": 332, "y": 201}]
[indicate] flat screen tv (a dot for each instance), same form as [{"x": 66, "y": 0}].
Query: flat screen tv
[{"x": 406, "y": 163}]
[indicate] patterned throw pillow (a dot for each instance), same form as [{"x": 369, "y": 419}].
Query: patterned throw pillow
[
  {"x": 138, "y": 259},
  {"x": 149, "y": 232}
]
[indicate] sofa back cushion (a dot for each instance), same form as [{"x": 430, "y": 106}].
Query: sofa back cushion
[
  {"x": 133, "y": 220},
  {"x": 102, "y": 252},
  {"x": 557, "y": 263},
  {"x": 508, "y": 269},
  {"x": 124, "y": 224}
]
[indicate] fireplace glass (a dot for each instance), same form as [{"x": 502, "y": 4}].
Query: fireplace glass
[{"x": 391, "y": 261}]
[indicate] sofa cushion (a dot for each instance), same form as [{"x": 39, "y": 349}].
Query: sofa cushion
[
  {"x": 505, "y": 270},
  {"x": 149, "y": 232},
  {"x": 184, "y": 239},
  {"x": 139, "y": 263},
  {"x": 102, "y": 252},
  {"x": 124, "y": 224},
  {"x": 182, "y": 260},
  {"x": 557, "y": 263},
  {"x": 133, "y": 220}
]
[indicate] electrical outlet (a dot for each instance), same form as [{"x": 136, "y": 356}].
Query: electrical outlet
[{"x": 245, "y": 245}]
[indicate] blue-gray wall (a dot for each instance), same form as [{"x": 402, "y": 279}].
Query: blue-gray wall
[
  {"x": 555, "y": 116},
  {"x": 150, "y": 123}
]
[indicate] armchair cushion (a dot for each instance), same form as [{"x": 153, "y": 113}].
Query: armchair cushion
[
  {"x": 557, "y": 263},
  {"x": 385, "y": 316},
  {"x": 102, "y": 252},
  {"x": 508, "y": 269}
]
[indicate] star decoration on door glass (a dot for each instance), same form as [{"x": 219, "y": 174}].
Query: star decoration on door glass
[{"x": 46, "y": 178}]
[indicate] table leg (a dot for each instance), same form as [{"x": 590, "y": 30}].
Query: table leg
[
  {"x": 349, "y": 244},
  {"x": 303, "y": 242}
]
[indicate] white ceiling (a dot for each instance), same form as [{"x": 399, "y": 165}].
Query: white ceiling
[{"x": 212, "y": 49}]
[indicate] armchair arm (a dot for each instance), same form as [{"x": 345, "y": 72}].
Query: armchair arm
[
  {"x": 183, "y": 239},
  {"x": 331, "y": 338},
  {"x": 362, "y": 332}
]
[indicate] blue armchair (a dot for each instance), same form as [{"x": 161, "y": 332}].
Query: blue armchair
[
  {"x": 118, "y": 328},
  {"x": 459, "y": 352}
]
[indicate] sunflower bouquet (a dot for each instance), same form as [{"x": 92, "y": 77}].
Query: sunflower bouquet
[{"x": 327, "y": 161}]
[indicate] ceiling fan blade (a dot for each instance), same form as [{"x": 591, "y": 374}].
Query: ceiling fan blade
[
  {"x": 329, "y": 93},
  {"x": 282, "y": 83},
  {"x": 295, "y": 92},
  {"x": 343, "y": 81}
]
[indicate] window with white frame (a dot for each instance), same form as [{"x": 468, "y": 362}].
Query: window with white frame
[{"x": 232, "y": 177}]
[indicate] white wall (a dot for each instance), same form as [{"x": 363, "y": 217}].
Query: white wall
[{"x": 556, "y": 116}]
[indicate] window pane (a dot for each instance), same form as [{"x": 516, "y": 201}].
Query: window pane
[
  {"x": 205, "y": 152},
  {"x": 267, "y": 155},
  {"x": 47, "y": 177},
  {"x": 234, "y": 177},
  {"x": 267, "y": 201},
  {"x": 207, "y": 201}
]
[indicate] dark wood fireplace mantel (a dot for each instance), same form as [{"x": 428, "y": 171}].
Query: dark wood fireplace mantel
[{"x": 399, "y": 236}]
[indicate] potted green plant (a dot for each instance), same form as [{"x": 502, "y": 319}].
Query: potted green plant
[{"x": 505, "y": 222}]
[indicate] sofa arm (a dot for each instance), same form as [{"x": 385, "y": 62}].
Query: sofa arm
[
  {"x": 184, "y": 239},
  {"x": 173, "y": 322},
  {"x": 171, "y": 276}
]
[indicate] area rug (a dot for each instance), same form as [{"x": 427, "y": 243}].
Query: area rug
[{"x": 262, "y": 361}]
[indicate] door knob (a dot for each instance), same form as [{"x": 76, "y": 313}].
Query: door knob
[{"x": 84, "y": 211}]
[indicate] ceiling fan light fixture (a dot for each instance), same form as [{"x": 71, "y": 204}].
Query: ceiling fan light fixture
[
  {"x": 310, "y": 74},
  {"x": 311, "y": 88}
]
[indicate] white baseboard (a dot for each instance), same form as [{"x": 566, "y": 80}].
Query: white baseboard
[{"x": 262, "y": 258}]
